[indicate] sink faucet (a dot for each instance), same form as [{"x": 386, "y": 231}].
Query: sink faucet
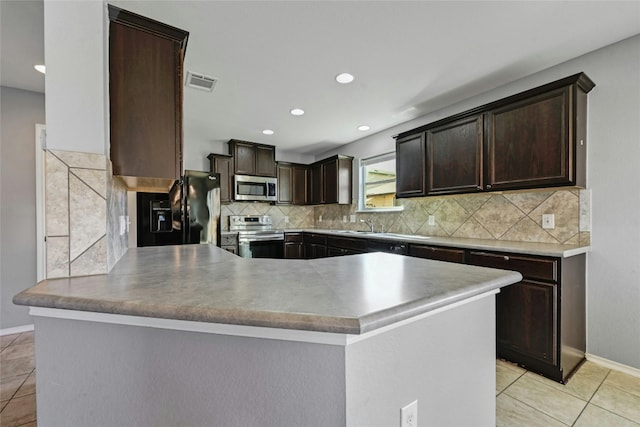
[{"x": 369, "y": 222}]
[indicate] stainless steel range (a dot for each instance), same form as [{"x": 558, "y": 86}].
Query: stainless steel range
[{"x": 256, "y": 236}]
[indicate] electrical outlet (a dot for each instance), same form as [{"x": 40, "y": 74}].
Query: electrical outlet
[
  {"x": 286, "y": 220},
  {"x": 548, "y": 221},
  {"x": 431, "y": 220},
  {"x": 409, "y": 415},
  {"x": 320, "y": 218},
  {"x": 344, "y": 218},
  {"x": 352, "y": 218}
]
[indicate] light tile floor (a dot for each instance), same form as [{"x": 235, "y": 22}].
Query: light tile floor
[
  {"x": 17, "y": 381},
  {"x": 594, "y": 396}
]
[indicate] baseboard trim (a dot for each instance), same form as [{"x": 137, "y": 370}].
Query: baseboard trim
[
  {"x": 16, "y": 330},
  {"x": 613, "y": 365}
]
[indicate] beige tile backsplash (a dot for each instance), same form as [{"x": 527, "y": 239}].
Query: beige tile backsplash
[
  {"x": 513, "y": 216},
  {"x": 76, "y": 213},
  {"x": 84, "y": 204}
]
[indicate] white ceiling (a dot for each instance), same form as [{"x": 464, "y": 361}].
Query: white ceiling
[{"x": 408, "y": 58}]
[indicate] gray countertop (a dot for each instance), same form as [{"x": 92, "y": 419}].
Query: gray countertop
[
  {"x": 350, "y": 294},
  {"x": 531, "y": 248}
]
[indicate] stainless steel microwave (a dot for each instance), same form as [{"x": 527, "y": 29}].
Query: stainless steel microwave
[{"x": 255, "y": 188}]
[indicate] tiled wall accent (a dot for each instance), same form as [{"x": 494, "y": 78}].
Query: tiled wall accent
[
  {"x": 116, "y": 208},
  {"x": 512, "y": 216},
  {"x": 76, "y": 210},
  {"x": 298, "y": 216}
]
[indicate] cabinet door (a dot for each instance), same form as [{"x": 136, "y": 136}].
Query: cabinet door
[
  {"x": 285, "y": 182},
  {"x": 293, "y": 250},
  {"x": 528, "y": 143},
  {"x": 245, "y": 158},
  {"x": 410, "y": 166},
  {"x": 330, "y": 181},
  {"x": 315, "y": 188},
  {"x": 526, "y": 320},
  {"x": 454, "y": 157},
  {"x": 265, "y": 160},
  {"x": 224, "y": 166},
  {"x": 299, "y": 185},
  {"x": 313, "y": 250},
  {"x": 145, "y": 94}
]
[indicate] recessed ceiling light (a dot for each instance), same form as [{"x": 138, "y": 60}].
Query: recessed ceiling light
[
  {"x": 297, "y": 111},
  {"x": 267, "y": 132},
  {"x": 40, "y": 68},
  {"x": 363, "y": 128},
  {"x": 344, "y": 78}
]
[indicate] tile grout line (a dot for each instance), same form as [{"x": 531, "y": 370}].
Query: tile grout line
[
  {"x": 606, "y": 409},
  {"x": 549, "y": 415}
]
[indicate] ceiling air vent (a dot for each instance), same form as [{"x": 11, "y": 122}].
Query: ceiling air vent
[{"x": 200, "y": 81}]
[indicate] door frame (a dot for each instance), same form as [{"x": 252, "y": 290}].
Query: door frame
[{"x": 41, "y": 238}]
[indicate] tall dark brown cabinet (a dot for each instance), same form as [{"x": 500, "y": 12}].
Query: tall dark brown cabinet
[
  {"x": 223, "y": 164},
  {"x": 145, "y": 92}
]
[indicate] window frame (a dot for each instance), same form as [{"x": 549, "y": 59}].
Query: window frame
[{"x": 362, "y": 163}]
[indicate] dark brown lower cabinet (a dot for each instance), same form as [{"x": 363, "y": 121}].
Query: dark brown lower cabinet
[
  {"x": 540, "y": 321},
  {"x": 293, "y": 245},
  {"x": 526, "y": 320},
  {"x": 315, "y": 245}
]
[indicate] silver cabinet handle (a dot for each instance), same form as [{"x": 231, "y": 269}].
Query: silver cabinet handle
[
  {"x": 488, "y": 186},
  {"x": 506, "y": 258}
]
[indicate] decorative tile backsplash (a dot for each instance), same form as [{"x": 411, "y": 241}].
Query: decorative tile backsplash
[
  {"x": 84, "y": 205},
  {"x": 284, "y": 217},
  {"x": 77, "y": 188},
  {"x": 512, "y": 216}
]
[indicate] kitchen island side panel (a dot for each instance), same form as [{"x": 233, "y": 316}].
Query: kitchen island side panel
[
  {"x": 446, "y": 362},
  {"x": 97, "y": 374}
]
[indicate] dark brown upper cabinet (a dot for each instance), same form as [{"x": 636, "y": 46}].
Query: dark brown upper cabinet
[
  {"x": 330, "y": 180},
  {"x": 533, "y": 139},
  {"x": 539, "y": 141},
  {"x": 145, "y": 94},
  {"x": 411, "y": 165},
  {"x": 223, "y": 164},
  {"x": 253, "y": 159},
  {"x": 454, "y": 156},
  {"x": 292, "y": 183}
]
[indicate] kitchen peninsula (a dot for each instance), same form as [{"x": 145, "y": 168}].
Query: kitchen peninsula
[{"x": 193, "y": 335}]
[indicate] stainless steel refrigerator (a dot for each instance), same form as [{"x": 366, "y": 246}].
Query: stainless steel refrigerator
[{"x": 195, "y": 207}]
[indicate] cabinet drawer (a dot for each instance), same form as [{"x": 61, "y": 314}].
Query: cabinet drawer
[
  {"x": 387, "y": 246},
  {"x": 347, "y": 243},
  {"x": 319, "y": 239},
  {"x": 437, "y": 253},
  {"x": 293, "y": 237},
  {"x": 530, "y": 267}
]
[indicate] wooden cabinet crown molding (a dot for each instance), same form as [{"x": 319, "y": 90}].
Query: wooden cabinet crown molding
[
  {"x": 143, "y": 23},
  {"x": 580, "y": 79}
]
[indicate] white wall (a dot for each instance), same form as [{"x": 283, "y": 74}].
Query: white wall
[
  {"x": 21, "y": 110},
  {"x": 75, "y": 80},
  {"x": 613, "y": 290}
]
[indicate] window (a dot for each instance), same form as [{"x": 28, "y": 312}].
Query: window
[{"x": 378, "y": 184}]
